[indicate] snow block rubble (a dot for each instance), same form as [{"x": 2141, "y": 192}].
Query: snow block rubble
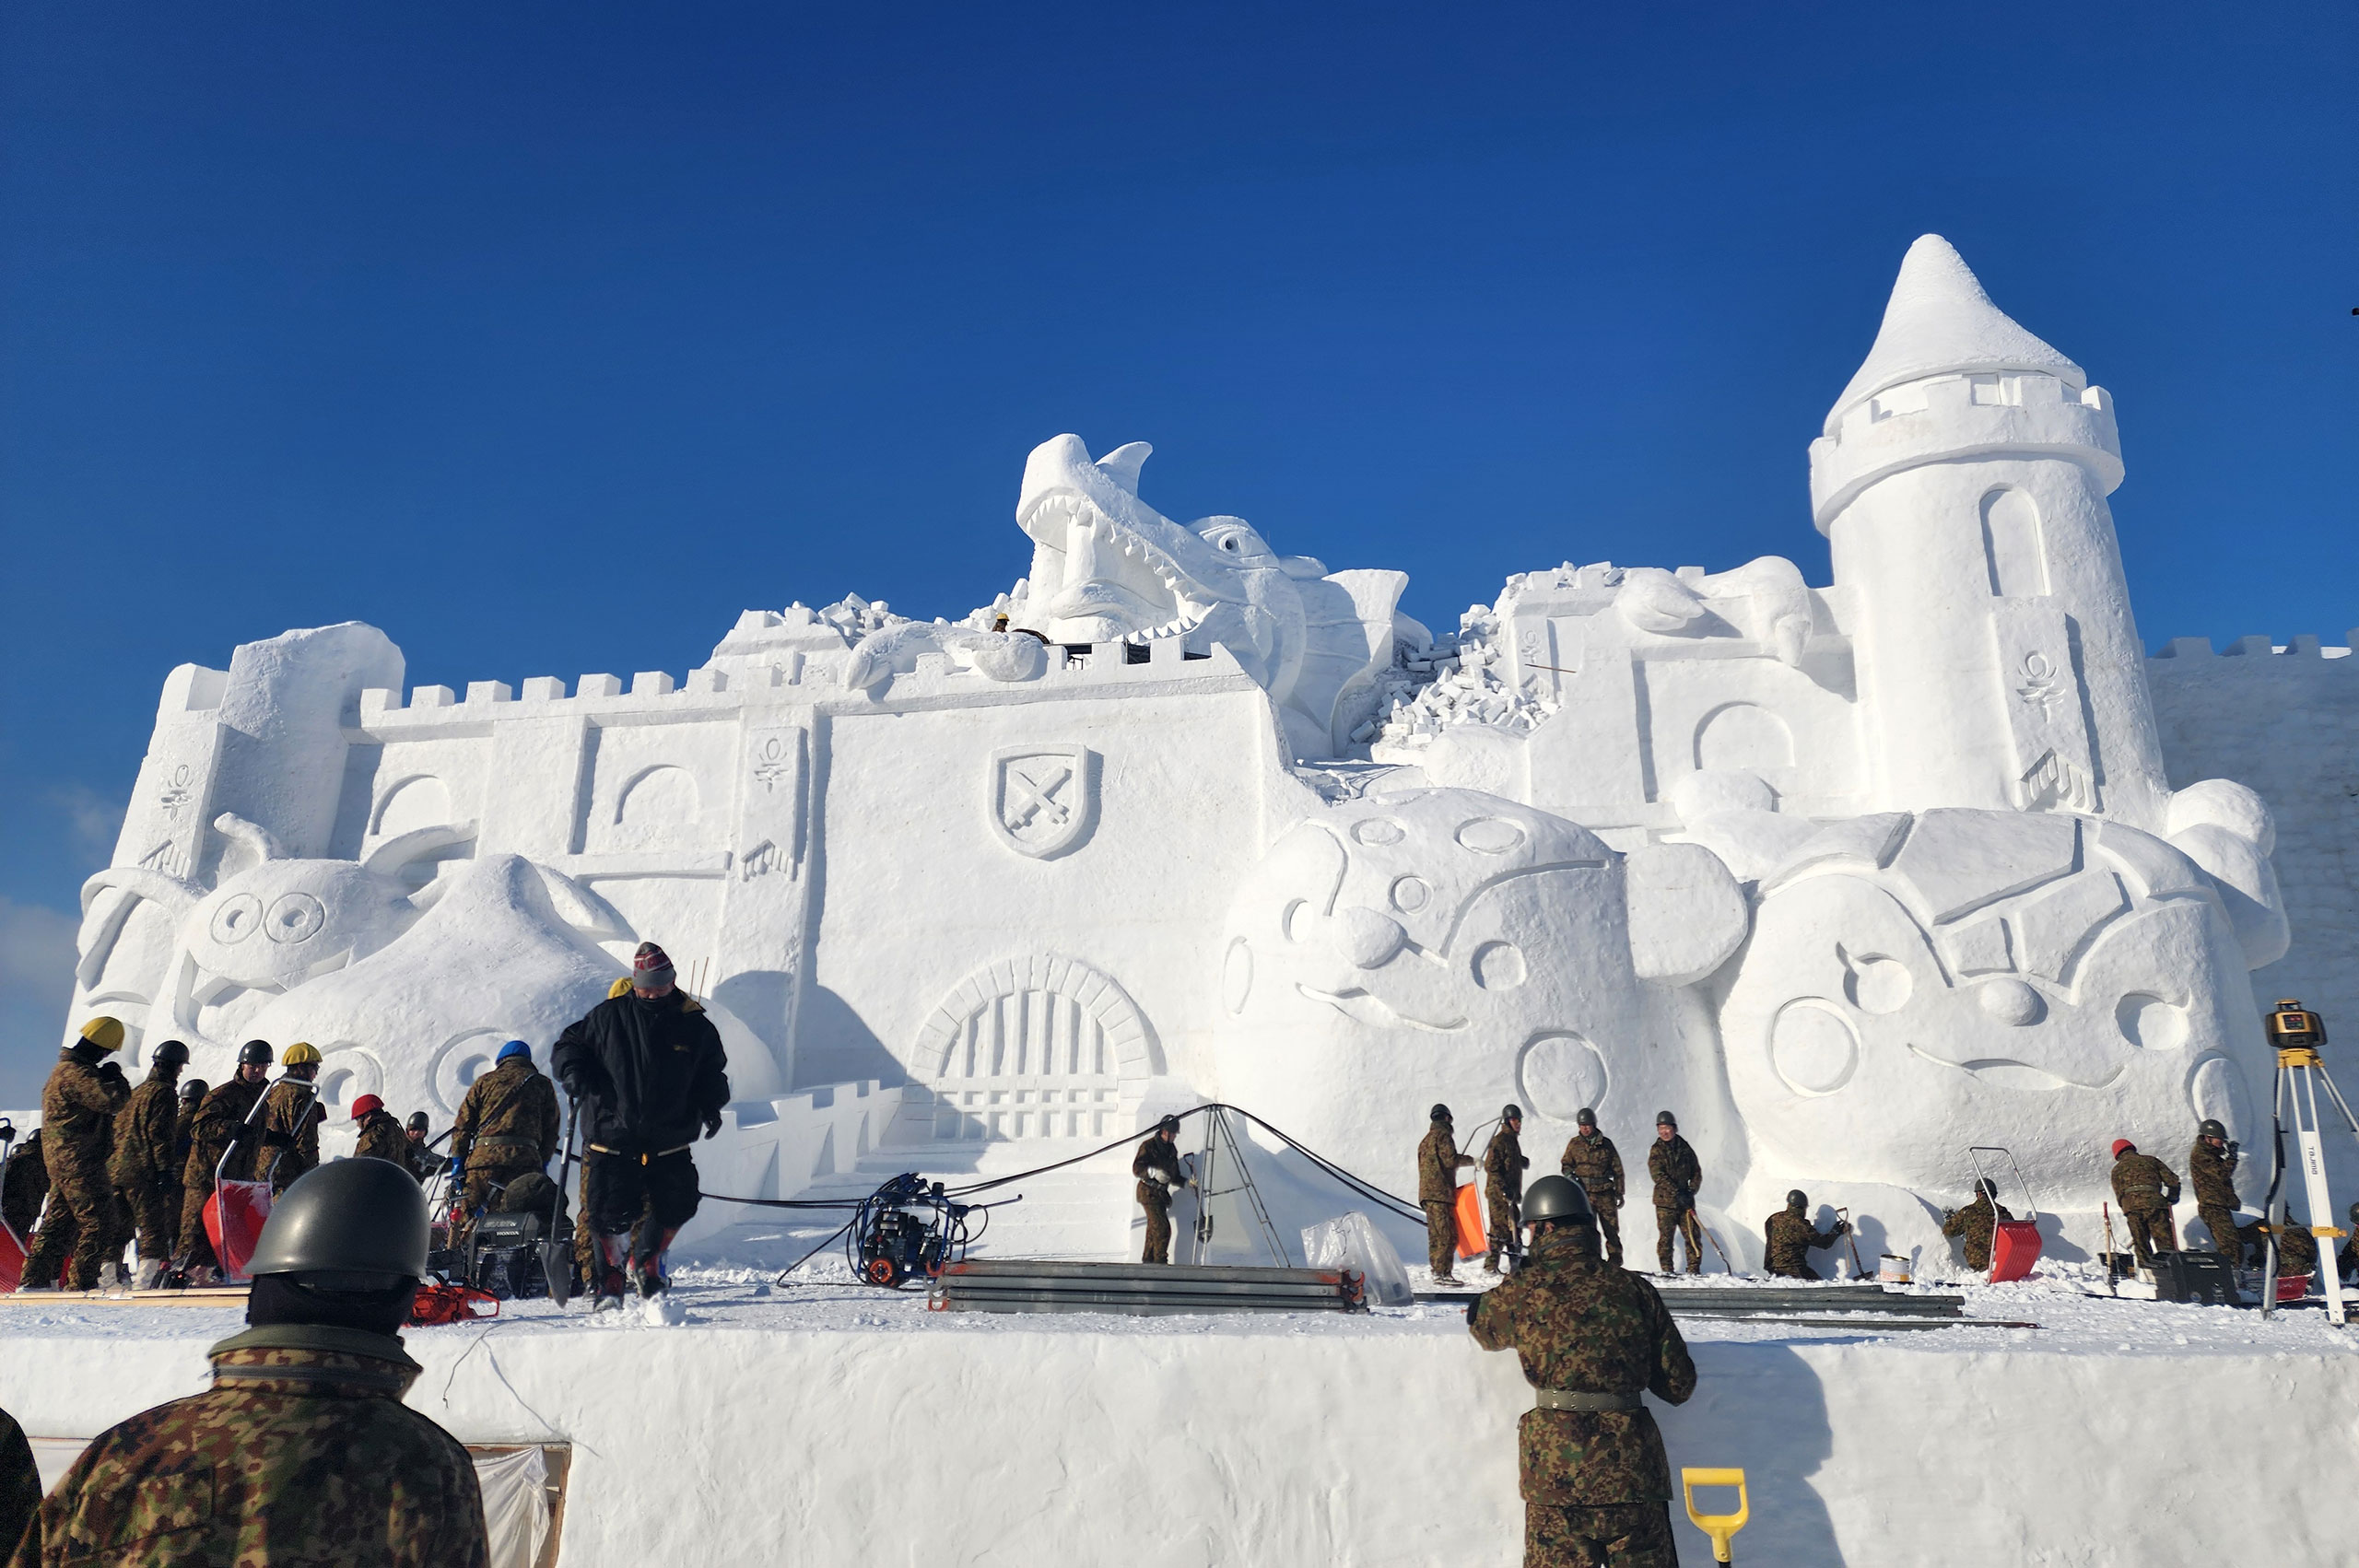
[{"x": 1850, "y": 876}]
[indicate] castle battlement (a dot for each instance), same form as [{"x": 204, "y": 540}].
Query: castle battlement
[
  {"x": 1947, "y": 418},
  {"x": 2254, "y": 649}
]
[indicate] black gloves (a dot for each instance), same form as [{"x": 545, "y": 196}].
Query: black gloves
[
  {"x": 111, "y": 1070},
  {"x": 713, "y": 1125}
]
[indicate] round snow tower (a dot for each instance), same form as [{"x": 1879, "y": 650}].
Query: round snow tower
[{"x": 1961, "y": 484}]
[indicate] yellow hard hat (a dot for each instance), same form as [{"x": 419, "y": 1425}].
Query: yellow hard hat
[
  {"x": 620, "y": 988},
  {"x": 303, "y": 1053},
  {"x": 104, "y": 1033}
]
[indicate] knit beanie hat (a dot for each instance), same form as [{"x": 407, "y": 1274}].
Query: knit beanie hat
[{"x": 651, "y": 969}]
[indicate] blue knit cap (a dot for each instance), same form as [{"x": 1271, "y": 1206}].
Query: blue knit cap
[{"x": 515, "y": 1047}]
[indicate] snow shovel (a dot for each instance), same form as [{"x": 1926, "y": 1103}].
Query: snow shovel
[
  {"x": 1859, "y": 1269},
  {"x": 236, "y": 1212},
  {"x": 557, "y": 1256},
  {"x": 1472, "y": 1237},
  {"x": 2014, "y": 1244},
  {"x": 1721, "y": 1527}
]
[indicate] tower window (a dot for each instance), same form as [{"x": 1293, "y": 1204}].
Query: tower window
[{"x": 2011, "y": 546}]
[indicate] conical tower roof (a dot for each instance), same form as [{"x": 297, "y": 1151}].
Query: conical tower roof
[{"x": 1939, "y": 322}]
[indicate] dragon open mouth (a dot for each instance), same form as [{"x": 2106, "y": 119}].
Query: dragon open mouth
[{"x": 1116, "y": 585}]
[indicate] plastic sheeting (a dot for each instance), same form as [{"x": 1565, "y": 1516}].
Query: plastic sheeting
[
  {"x": 1352, "y": 1241},
  {"x": 515, "y": 1505}
]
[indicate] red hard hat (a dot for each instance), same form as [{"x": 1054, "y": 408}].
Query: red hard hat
[
  {"x": 2122, "y": 1146},
  {"x": 363, "y": 1106}
]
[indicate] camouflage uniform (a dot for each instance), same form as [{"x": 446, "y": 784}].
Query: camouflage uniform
[
  {"x": 1791, "y": 1237},
  {"x": 77, "y": 1110},
  {"x": 2298, "y": 1250},
  {"x": 1591, "y": 1159},
  {"x": 1156, "y": 1165},
  {"x": 2145, "y": 1188},
  {"x": 301, "y": 1452},
  {"x": 1677, "y": 1174},
  {"x": 144, "y": 1172},
  {"x": 19, "y": 1483},
  {"x": 25, "y": 1186},
  {"x": 1437, "y": 1166},
  {"x": 1596, "y": 1484},
  {"x": 290, "y": 1133},
  {"x": 507, "y": 1126},
  {"x": 2213, "y": 1175},
  {"x": 1977, "y": 1222},
  {"x": 1504, "y": 1164},
  {"x": 381, "y": 1138},
  {"x": 217, "y": 1120}
]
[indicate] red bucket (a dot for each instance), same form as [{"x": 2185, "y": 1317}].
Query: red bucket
[
  {"x": 2014, "y": 1248},
  {"x": 233, "y": 1222}
]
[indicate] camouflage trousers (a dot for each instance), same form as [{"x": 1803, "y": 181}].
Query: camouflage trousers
[
  {"x": 85, "y": 1222},
  {"x": 1442, "y": 1238},
  {"x": 1504, "y": 1234},
  {"x": 155, "y": 1210},
  {"x": 1623, "y": 1535},
  {"x": 1159, "y": 1233},
  {"x": 2150, "y": 1232},
  {"x": 1609, "y": 1225},
  {"x": 1680, "y": 1223},
  {"x": 2226, "y": 1238},
  {"x": 585, "y": 1246}
]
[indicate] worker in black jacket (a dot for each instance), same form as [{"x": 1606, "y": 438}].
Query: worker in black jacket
[{"x": 647, "y": 1071}]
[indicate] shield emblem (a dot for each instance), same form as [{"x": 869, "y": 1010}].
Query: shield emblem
[{"x": 1044, "y": 799}]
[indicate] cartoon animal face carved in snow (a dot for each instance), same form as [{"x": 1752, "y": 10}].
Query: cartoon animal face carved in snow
[
  {"x": 1444, "y": 944},
  {"x": 270, "y": 924},
  {"x": 1108, "y": 568},
  {"x": 2032, "y": 980}
]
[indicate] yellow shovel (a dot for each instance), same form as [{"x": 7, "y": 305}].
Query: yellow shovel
[{"x": 1719, "y": 1527}]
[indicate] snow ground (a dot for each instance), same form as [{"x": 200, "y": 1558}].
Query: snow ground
[{"x": 831, "y": 1422}]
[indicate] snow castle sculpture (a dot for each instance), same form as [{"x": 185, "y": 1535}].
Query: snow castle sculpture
[{"x": 1849, "y": 876}]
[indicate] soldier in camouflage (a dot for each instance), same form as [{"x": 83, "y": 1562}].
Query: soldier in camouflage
[
  {"x": 2145, "y": 1188},
  {"x": 2211, "y": 1171},
  {"x": 23, "y": 1186},
  {"x": 1596, "y": 1482},
  {"x": 223, "y": 1140},
  {"x": 146, "y": 1174},
  {"x": 1503, "y": 1166},
  {"x": 78, "y": 1106},
  {"x": 1677, "y": 1173},
  {"x": 507, "y": 1126},
  {"x": 1591, "y": 1159},
  {"x": 1438, "y": 1162},
  {"x": 1156, "y": 1165},
  {"x": 302, "y": 1450},
  {"x": 376, "y": 1135},
  {"x": 1791, "y": 1237},
  {"x": 1977, "y": 1222},
  {"x": 290, "y": 1120}
]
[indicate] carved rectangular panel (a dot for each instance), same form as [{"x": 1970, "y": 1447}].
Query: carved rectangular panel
[{"x": 2041, "y": 684}]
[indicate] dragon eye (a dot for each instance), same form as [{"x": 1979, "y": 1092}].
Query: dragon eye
[{"x": 1229, "y": 543}]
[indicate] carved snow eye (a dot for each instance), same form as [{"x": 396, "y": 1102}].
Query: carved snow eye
[
  {"x": 238, "y": 919},
  {"x": 295, "y": 916},
  {"x": 1230, "y": 545}
]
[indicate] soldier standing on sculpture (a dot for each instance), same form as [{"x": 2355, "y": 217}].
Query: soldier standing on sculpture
[
  {"x": 144, "y": 1171},
  {"x": 1789, "y": 1238},
  {"x": 423, "y": 1161},
  {"x": 648, "y": 1070},
  {"x": 1591, "y": 1159},
  {"x": 1596, "y": 1482},
  {"x": 1438, "y": 1162},
  {"x": 220, "y": 1126},
  {"x": 1677, "y": 1174},
  {"x": 1503, "y": 1163},
  {"x": 1977, "y": 1222},
  {"x": 2145, "y": 1188},
  {"x": 77, "y": 1109},
  {"x": 1156, "y": 1165},
  {"x": 302, "y": 1450},
  {"x": 508, "y": 1125},
  {"x": 291, "y": 1121},
  {"x": 2211, "y": 1171}
]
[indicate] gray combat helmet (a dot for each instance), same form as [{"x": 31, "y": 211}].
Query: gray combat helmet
[
  {"x": 349, "y": 1217},
  {"x": 2211, "y": 1129},
  {"x": 1797, "y": 1199},
  {"x": 1558, "y": 1198}
]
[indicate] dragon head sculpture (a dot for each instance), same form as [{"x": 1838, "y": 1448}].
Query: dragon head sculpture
[{"x": 1108, "y": 568}]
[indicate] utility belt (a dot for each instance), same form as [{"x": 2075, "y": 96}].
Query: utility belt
[
  {"x": 642, "y": 1159},
  {"x": 501, "y": 1147},
  {"x": 1567, "y": 1400}
]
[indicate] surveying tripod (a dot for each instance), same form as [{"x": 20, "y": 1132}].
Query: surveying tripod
[{"x": 2298, "y": 1032}]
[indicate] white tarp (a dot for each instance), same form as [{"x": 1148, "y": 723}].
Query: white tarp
[{"x": 1352, "y": 1241}]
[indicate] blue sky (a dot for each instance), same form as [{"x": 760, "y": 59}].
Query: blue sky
[{"x": 548, "y": 337}]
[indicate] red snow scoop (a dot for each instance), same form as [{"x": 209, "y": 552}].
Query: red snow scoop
[
  {"x": 2290, "y": 1287},
  {"x": 12, "y": 1260},
  {"x": 2014, "y": 1244},
  {"x": 1472, "y": 1240},
  {"x": 233, "y": 1222}
]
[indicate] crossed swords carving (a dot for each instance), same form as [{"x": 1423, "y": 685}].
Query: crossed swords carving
[{"x": 1030, "y": 797}]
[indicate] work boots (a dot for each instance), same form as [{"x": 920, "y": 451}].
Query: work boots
[
  {"x": 613, "y": 1279},
  {"x": 150, "y": 1274}
]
